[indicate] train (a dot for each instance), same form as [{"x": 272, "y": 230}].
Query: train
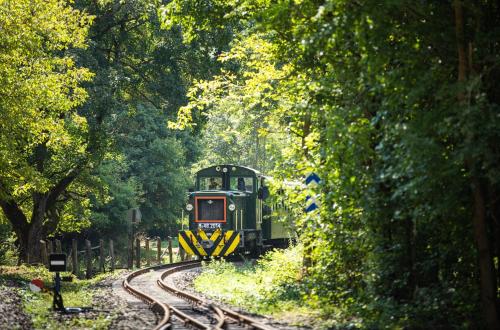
[{"x": 230, "y": 213}]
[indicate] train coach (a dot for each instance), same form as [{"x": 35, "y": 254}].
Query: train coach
[{"x": 228, "y": 214}]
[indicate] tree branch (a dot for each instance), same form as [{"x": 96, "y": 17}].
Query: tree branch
[
  {"x": 13, "y": 212},
  {"x": 61, "y": 186}
]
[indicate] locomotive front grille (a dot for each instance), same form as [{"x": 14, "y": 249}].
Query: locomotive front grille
[{"x": 210, "y": 209}]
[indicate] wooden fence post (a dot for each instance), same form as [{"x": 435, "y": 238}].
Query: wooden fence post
[
  {"x": 130, "y": 253},
  {"x": 182, "y": 253},
  {"x": 69, "y": 258},
  {"x": 49, "y": 251},
  {"x": 147, "y": 251},
  {"x": 137, "y": 253},
  {"x": 101, "y": 255},
  {"x": 170, "y": 256},
  {"x": 88, "y": 259},
  {"x": 43, "y": 252},
  {"x": 158, "y": 250},
  {"x": 74, "y": 257},
  {"x": 112, "y": 254},
  {"x": 58, "y": 246}
]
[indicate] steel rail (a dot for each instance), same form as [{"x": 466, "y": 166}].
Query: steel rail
[
  {"x": 221, "y": 312},
  {"x": 186, "y": 318},
  {"x": 154, "y": 304},
  {"x": 240, "y": 318}
]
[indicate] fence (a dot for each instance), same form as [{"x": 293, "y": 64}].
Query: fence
[{"x": 106, "y": 257}]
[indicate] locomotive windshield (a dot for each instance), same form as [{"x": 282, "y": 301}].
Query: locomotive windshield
[
  {"x": 211, "y": 183},
  {"x": 241, "y": 183}
]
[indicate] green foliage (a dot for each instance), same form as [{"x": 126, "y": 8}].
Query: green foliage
[
  {"x": 199, "y": 20},
  {"x": 44, "y": 140},
  {"x": 405, "y": 144},
  {"x": 141, "y": 77},
  {"x": 8, "y": 252},
  {"x": 269, "y": 287},
  {"x": 118, "y": 193},
  {"x": 40, "y": 87},
  {"x": 67, "y": 165},
  {"x": 366, "y": 94},
  {"x": 157, "y": 160},
  {"x": 276, "y": 285},
  {"x": 244, "y": 119}
]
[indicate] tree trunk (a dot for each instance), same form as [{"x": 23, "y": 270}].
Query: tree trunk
[
  {"x": 30, "y": 236},
  {"x": 487, "y": 279},
  {"x": 20, "y": 225},
  {"x": 25, "y": 256},
  {"x": 496, "y": 237},
  {"x": 35, "y": 231},
  {"x": 29, "y": 244},
  {"x": 30, "y": 233},
  {"x": 411, "y": 233},
  {"x": 486, "y": 269}
]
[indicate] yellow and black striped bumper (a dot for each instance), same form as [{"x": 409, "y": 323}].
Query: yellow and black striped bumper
[{"x": 219, "y": 244}]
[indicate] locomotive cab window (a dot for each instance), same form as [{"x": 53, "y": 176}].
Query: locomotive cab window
[
  {"x": 241, "y": 183},
  {"x": 211, "y": 183}
]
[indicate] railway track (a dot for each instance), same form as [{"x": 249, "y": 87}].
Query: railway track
[{"x": 179, "y": 309}]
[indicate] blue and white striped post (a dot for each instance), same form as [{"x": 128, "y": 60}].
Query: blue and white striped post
[{"x": 312, "y": 203}]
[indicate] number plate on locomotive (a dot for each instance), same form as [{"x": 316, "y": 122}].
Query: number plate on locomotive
[{"x": 209, "y": 225}]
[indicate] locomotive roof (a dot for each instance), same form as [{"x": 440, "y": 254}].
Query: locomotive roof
[{"x": 213, "y": 168}]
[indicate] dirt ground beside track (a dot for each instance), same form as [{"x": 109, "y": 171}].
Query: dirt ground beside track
[{"x": 12, "y": 315}]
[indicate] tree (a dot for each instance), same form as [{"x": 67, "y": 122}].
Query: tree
[
  {"x": 241, "y": 125},
  {"x": 157, "y": 161},
  {"x": 43, "y": 140},
  {"x": 141, "y": 76}
]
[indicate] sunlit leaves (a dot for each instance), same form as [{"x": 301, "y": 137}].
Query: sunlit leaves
[{"x": 39, "y": 86}]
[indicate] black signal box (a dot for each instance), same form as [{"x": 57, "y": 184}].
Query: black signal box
[{"x": 57, "y": 262}]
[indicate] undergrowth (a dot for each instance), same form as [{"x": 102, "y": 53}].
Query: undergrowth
[
  {"x": 273, "y": 286},
  {"x": 78, "y": 293}
]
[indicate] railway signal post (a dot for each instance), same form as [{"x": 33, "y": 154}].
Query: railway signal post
[{"x": 57, "y": 263}]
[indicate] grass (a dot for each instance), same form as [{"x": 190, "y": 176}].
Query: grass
[
  {"x": 79, "y": 293},
  {"x": 272, "y": 287}
]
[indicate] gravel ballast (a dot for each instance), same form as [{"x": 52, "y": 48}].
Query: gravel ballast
[{"x": 12, "y": 315}]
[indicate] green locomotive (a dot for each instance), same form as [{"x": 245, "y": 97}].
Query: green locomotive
[{"x": 228, "y": 214}]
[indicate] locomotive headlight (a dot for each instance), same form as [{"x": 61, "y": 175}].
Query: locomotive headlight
[
  {"x": 232, "y": 207},
  {"x": 189, "y": 207},
  {"x": 224, "y": 170}
]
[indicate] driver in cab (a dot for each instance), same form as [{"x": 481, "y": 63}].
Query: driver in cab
[{"x": 213, "y": 184}]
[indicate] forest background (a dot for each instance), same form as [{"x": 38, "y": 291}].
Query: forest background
[{"x": 107, "y": 105}]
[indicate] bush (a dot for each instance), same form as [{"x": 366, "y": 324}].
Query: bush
[
  {"x": 8, "y": 251},
  {"x": 273, "y": 285}
]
